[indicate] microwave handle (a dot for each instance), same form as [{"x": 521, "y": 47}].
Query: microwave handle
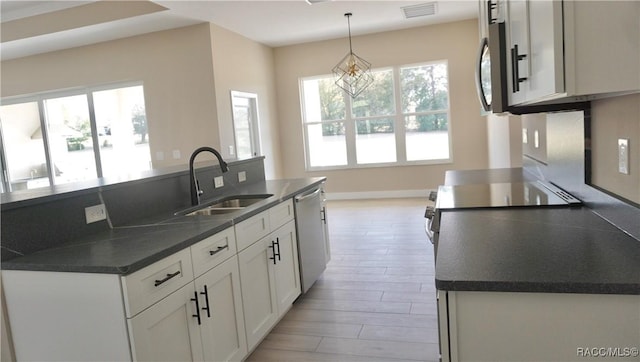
[{"x": 484, "y": 43}]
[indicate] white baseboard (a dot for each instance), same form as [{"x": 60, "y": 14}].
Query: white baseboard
[{"x": 394, "y": 194}]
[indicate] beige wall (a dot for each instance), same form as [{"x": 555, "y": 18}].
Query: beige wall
[
  {"x": 456, "y": 42},
  {"x": 175, "y": 66},
  {"x": 243, "y": 65},
  {"x": 612, "y": 119}
]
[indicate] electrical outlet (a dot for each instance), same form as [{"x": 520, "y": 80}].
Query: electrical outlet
[
  {"x": 95, "y": 213},
  {"x": 232, "y": 150},
  {"x": 176, "y": 154},
  {"x": 218, "y": 181},
  {"x": 242, "y": 176},
  {"x": 623, "y": 156}
]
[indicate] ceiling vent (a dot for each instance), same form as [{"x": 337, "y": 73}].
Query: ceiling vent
[{"x": 415, "y": 11}]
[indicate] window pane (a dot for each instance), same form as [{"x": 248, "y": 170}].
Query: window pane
[
  {"x": 323, "y": 100},
  {"x": 122, "y": 130},
  {"x": 70, "y": 139},
  {"x": 375, "y": 141},
  {"x": 24, "y": 148},
  {"x": 427, "y": 137},
  {"x": 377, "y": 99},
  {"x": 242, "y": 126},
  {"x": 327, "y": 144},
  {"x": 424, "y": 88}
]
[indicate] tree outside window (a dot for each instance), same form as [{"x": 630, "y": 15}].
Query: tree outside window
[{"x": 374, "y": 127}]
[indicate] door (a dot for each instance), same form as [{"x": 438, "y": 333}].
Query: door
[
  {"x": 245, "y": 124},
  {"x": 258, "y": 290},
  {"x": 287, "y": 273},
  {"x": 168, "y": 330},
  {"x": 223, "y": 334}
]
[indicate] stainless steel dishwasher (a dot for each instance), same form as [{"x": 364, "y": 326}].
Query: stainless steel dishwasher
[{"x": 310, "y": 232}]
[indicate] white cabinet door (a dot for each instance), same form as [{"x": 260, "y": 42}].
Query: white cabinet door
[
  {"x": 518, "y": 51},
  {"x": 222, "y": 329},
  {"x": 257, "y": 282},
  {"x": 287, "y": 272},
  {"x": 546, "y": 76},
  {"x": 168, "y": 330},
  {"x": 57, "y": 316},
  {"x": 536, "y": 57}
]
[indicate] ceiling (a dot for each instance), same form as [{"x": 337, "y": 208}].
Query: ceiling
[{"x": 33, "y": 27}]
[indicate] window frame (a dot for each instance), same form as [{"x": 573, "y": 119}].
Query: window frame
[
  {"x": 399, "y": 123},
  {"x": 39, "y": 98}
]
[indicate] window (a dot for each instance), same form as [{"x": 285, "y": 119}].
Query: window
[
  {"x": 60, "y": 138},
  {"x": 401, "y": 118}
]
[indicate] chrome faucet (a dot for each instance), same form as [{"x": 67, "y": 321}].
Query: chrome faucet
[{"x": 193, "y": 182}]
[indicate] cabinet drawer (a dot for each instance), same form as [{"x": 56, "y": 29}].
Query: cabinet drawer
[
  {"x": 281, "y": 214},
  {"x": 252, "y": 229},
  {"x": 213, "y": 250},
  {"x": 156, "y": 281}
]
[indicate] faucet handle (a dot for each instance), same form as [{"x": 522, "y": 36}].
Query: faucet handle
[{"x": 198, "y": 190}]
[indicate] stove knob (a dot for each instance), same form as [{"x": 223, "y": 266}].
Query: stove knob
[
  {"x": 429, "y": 212},
  {"x": 433, "y": 195}
]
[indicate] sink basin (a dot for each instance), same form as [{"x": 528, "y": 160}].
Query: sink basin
[{"x": 226, "y": 205}]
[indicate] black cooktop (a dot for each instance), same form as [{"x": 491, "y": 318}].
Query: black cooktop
[{"x": 508, "y": 194}]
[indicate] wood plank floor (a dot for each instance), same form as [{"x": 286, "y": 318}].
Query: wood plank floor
[{"x": 375, "y": 301}]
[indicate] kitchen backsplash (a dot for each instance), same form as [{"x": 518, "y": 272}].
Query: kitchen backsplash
[
  {"x": 38, "y": 224},
  {"x": 613, "y": 119},
  {"x": 578, "y": 149}
]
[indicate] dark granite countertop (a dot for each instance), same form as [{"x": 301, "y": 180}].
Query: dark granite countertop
[
  {"x": 553, "y": 250},
  {"x": 126, "y": 249}
]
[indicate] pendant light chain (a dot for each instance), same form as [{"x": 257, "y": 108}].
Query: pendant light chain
[
  {"x": 348, "y": 15},
  {"x": 352, "y": 73}
]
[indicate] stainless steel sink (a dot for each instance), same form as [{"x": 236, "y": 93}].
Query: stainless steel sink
[{"x": 226, "y": 205}]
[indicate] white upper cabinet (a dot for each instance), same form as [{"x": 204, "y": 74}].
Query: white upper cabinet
[{"x": 571, "y": 51}]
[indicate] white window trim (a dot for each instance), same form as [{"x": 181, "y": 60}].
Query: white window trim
[{"x": 399, "y": 127}]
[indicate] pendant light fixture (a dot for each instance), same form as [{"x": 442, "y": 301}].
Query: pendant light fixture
[{"x": 352, "y": 73}]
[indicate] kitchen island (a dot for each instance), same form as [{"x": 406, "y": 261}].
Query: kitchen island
[{"x": 153, "y": 281}]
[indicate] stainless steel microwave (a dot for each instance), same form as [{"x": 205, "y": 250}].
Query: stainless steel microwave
[{"x": 491, "y": 70}]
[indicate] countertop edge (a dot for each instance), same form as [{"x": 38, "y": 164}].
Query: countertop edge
[{"x": 529, "y": 287}]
